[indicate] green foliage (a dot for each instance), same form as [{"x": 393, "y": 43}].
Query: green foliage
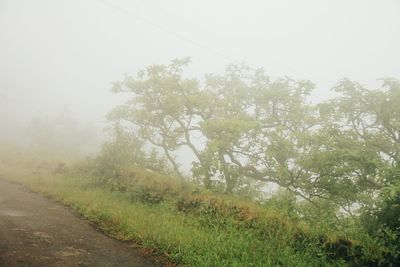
[
  {"x": 389, "y": 213},
  {"x": 243, "y": 126},
  {"x": 383, "y": 221},
  {"x": 122, "y": 152},
  {"x": 335, "y": 166},
  {"x": 196, "y": 227},
  {"x": 335, "y": 160},
  {"x": 250, "y": 128},
  {"x": 278, "y": 220}
]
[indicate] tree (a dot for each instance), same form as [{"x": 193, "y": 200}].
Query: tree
[
  {"x": 243, "y": 126},
  {"x": 246, "y": 126},
  {"x": 361, "y": 136},
  {"x": 163, "y": 108}
]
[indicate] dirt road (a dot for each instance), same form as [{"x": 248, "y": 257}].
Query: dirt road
[{"x": 35, "y": 231}]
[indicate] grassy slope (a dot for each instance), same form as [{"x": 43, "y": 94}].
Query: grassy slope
[{"x": 188, "y": 238}]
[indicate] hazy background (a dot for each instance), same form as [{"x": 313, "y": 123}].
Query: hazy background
[{"x": 61, "y": 56}]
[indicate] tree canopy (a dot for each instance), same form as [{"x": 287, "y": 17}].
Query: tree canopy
[{"x": 244, "y": 127}]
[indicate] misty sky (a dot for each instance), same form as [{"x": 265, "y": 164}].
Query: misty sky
[{"x": 65, "y": 53}]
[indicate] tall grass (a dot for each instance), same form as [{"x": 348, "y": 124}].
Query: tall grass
[{"x": 183, "y": 223}]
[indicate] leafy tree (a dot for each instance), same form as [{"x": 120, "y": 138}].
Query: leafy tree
[
  {"x": 239, "y": 125},
  {"x": 166, "y": 110},
  {"x": 243, "y": 127},
  {"x": 247, "y": 130},
  {"x": 361, "y": 139}
]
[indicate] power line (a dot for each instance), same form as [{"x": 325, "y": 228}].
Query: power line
[
  {"x": 188, "y": 40},
  {"x": 177, "y": 35},
  {"x": 164, "y": 29}
]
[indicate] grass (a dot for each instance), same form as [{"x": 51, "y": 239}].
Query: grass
[{"x": 194, "y": 230}]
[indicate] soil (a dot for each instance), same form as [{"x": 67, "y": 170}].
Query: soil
[{"x": 35, "y": 231}]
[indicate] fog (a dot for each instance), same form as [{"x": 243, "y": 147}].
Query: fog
[
  {"x": 64, "y": 55},
  {"x": 200, "y": 133}
]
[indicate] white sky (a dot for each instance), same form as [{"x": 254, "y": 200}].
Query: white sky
[{"x": 67, "y": 52}]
